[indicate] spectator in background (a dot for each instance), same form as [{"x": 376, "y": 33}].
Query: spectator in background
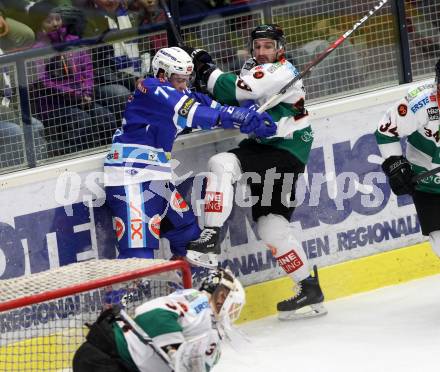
[
  {"x": 12, "y": 146},
  {"x": 422, "y": 18},
  {"x": 199, "y": 7},
  {"x": 117, "y": 66},
  {"x": 14, "y": 34},
  {"x": 63, "y": 95},
  {"x": 149, "y": 12},
  {"x": 73, "y": 18}
]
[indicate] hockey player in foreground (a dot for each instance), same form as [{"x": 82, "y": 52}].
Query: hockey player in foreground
[
  {"x": 186, "y": 327},
  {"x": 416, "y": 117},
  {"x": 287, "y": 152},
  {"x": 144, "y": 202}
]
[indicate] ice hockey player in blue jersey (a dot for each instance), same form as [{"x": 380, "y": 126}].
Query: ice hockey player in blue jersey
[{"x": 144, "y": 202}]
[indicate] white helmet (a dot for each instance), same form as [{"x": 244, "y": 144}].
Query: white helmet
[{"x": 172, "y": 60}]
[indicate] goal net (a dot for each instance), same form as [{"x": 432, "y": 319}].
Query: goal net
[{"x": 43, "y": 316}]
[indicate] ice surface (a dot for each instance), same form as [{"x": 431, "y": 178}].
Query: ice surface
[{"x": 393, "y": 329}]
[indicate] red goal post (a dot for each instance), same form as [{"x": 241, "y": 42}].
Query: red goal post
[{"x": 43, "y": 316}]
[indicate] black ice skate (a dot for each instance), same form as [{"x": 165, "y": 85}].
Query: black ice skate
[
  {"x": 203, "y": 251},
  {"x": 306, "y": 303}
]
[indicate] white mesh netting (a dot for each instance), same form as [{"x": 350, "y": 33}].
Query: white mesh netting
[
  {"x": 47, "y": 321},
  {"x": 76, "y": 274}
]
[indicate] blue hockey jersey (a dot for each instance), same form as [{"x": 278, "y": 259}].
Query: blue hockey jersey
[{"x": 155, "y": 114}]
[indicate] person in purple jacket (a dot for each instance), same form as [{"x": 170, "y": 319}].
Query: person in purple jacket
[{"x": 62, "y": 97}]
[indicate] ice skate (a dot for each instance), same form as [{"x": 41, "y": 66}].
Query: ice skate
[
  {"x": 204, "y": 251},
  {"x": 306, "y": 303}
]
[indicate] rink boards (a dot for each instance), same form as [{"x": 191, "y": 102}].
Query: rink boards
[{"x": 56, "y": 215}]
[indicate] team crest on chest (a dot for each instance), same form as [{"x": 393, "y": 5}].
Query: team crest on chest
[
  {"x": 402, "y": 109},
  {"x": 258, "y": 74}
]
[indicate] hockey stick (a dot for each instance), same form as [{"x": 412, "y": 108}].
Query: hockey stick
[
  {"x": 172, "y": 24},
  {"x": 420, "y": 177},
  {"x": 320, "y": 57},
  {"x": 143, "y": 336}
]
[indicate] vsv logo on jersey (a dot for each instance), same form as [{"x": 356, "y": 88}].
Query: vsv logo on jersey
[
  {"x": 290, "y": 262},
  {"x": 153, "y": 156},
  {"x": 213, "y": 201}
]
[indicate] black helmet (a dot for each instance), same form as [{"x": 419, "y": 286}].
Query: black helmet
[
  {"x": 223, "y": 280},
  {"x": 214, "y": 279},
  {"x": 269, "y": 31}
]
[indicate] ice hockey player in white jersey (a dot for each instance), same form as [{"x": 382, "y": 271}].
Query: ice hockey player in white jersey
[
  {"x": 416, "y": 118},
  {"x": 287, "y": 152},
  {"x": 144, "y": 202},
  {"x": 188, "y": 326}
]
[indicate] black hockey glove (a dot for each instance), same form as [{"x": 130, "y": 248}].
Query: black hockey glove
[
  {"x": 400, "y": 174},
  {"x": 203, "y": 63}
]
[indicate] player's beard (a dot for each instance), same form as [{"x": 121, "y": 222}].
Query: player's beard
[{"x": 261, "y": 60}]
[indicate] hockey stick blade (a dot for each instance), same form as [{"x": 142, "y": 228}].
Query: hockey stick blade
[
  {"x": 420, "y": 177},
  {"x": 319, "y": 58}
]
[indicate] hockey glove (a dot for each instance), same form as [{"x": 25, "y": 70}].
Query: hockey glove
[
  {"x": 239, "y": 117},
  {"x": 203, "y": 63},
  {"x": 250, "y": 104},
  {"x": 200, "y": 56},
  {"x": 267, "y": 128},
  {"x": 399, "y": 173}
]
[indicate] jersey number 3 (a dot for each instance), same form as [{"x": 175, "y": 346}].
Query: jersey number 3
[{"x": 386, "y": 128}]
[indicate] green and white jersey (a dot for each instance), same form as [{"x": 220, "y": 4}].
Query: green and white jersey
[
  {"x": 184, "y": 315},
  {"x": 415, "y": 117},
  {"x": 259, "y": 83}
]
